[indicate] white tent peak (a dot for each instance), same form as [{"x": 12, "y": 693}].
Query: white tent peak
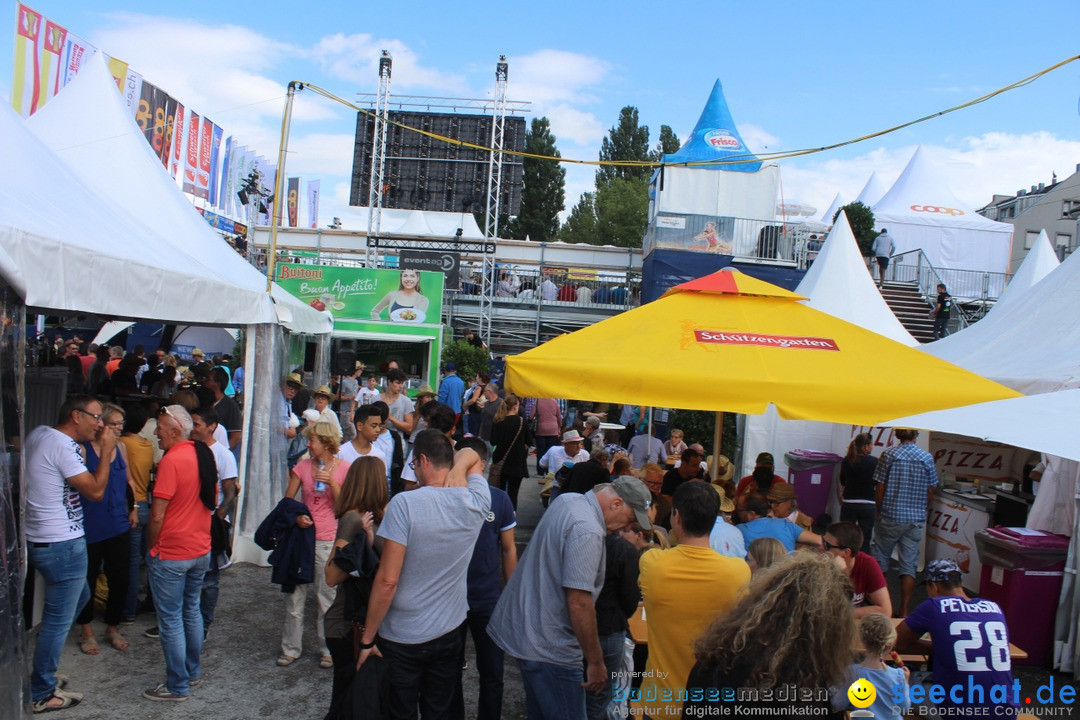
[
  {"x": 837, "y": 203},
  {"x": 88, "y": 125},
  {"x": 839, "y": 284},
  {"x": 1039, "y": 262},
  {"x": 872, "y": 191}
]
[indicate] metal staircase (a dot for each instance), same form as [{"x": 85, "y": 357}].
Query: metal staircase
[{"x": 909, "y": 307}]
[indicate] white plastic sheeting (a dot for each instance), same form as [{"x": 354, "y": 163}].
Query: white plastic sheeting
[
  {"x": 422, "y": 223},
  {"x": 837, "y": 283},
  {"x": 704, "y": 191},
  {"x": 88, "y": 126},
  {"x": 1039, "y": 262},
  {"x": 920, "y": 211}
]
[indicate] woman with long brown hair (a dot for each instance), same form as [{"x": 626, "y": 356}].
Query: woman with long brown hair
[
  {"x": 857, "y": 487},
  {"x": 790, "y": 629},
  {"x": 359, "y": 509},
  {"x": 510, "y": 438}
]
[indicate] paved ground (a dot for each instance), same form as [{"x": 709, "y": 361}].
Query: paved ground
[{"x": 241, "y": 679}]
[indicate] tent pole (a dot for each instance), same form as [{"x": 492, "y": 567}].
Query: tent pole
[
  {"x": 283, "y": 147},
  {"x": 718, "y": 435}
]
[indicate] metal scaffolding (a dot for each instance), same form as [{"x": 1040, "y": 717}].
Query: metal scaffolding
[
  {"x": 378, "y": 152},
  {"x": 494, "y": 194}
]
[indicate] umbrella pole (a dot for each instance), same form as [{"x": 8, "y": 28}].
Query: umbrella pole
[{"x": 718, "y": 433}]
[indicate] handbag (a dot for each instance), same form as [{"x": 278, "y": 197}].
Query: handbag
[{"x": 495, "y": 474}]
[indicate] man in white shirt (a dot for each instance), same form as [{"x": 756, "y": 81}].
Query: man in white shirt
[
  {"x": 369, "y": 426},
  {"x": 370, "y": 393},
  {"x": 204, "y": 421},
  {"x": 548, "y": 290},
  {"x": 571, "y": 450},
  {"x": 56, "y": 544}
]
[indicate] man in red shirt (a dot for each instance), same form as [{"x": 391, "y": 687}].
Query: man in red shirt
[
  {"x": 178, "y": 536},
  {"x": 871, "y": 594}
]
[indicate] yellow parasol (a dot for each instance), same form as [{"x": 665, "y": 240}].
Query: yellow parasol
[{"x": 734, "y": 343}]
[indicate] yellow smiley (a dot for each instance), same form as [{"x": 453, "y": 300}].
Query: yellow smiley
[{"x": 862, "y": 693}]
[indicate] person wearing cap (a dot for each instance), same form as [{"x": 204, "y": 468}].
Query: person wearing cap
[
  {"x": 322, "y": 396},
  {"x": 424, "y": 396},
  {"x": 905, "y": 477},
  {"x": 545, "y": 618},
  {"x": 451, "y": 389},
  {"x": 783, "y": 505},
  {"x": 969, "y": 637},
  {"x": 870, "y": 593},
  {"x": 571, "y": 450},
  {"x": 673, "y": 583},
  {"x": 293, "y": 383},
  {"x": 763, "y": 476},
  {"x": 754, "y": 511},
  {"x": 724, "y": 537}
]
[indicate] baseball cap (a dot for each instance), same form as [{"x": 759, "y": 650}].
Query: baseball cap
[
  {"x": 765, "y": 460},
  {"x": 942, "y": 570},
  {"x": 637, "y": 496},
  {"x": 450, "y": 367}
]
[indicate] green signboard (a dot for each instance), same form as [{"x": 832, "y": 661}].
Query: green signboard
[{"x": 404, "y": 297}]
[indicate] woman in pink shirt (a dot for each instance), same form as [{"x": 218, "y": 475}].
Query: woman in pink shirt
[
  {"x": 320, "y": 477},
  {"x": 548, "y": 427}
]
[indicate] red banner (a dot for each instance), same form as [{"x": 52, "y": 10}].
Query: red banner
[
  {"x": 178, "y": 139},
  {"x": 787, "y": 342},
  {"x": 202, "y": 176},
  {"x": 191, "y": 155}
]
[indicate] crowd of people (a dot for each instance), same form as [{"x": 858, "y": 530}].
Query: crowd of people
[{"x": 399, "y": 516}]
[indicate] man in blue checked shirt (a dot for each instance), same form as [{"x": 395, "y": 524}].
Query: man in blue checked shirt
[{"x": 905, "y": 475}]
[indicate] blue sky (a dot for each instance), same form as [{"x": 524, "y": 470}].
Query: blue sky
[{"x": 795, "y": 75}]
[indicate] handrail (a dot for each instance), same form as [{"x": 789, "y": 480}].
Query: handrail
[{"x": 927, "y": 278}]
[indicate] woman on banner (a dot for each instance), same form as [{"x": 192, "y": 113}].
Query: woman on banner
[{"x": 406, "y": 303}]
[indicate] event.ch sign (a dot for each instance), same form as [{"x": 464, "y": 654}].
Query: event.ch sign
[{"x": 398, "y": 296}]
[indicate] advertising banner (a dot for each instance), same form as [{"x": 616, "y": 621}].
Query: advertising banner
[
  {"x": 225, "y": 183},
  {"x": 168, "y": 131},
  {"x": 407, "y": 297},
  {"x": 119, "y": 70},
  {"x": 215, "y": 168},
  {"x": 313, "y": 203},
  {"x": 25, "y": 78},
  {"x": 76, "y": 50},
  {"x": 448, "y": 263},
  {"x": 52, "y": 47},
  {"x": 968, "y": 457},
  {"x": 191, "y": 153},
  {"x": 202, "y": 173},
  {"x": 293, "y": 205},
  {"x": 132, "y": 93},
  {"x": 151, "y": 116},
  {"x": 950, "y": 534},
  {"x": 179, "y": 129}
]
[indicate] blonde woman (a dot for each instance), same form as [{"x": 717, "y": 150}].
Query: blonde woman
[
  {"x": 408, "y": 297},
  {"x": 319, "y": 477},
  {"x": 763, "y": 552}
]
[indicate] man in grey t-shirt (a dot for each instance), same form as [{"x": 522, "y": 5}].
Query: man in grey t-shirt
[
  {"x": 545, "y": 618},
  {"x": 419, "y": 599},
  {"x": 348, "y": 389}
]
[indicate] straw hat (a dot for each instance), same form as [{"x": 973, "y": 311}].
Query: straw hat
[
  {"x": 726, "y": 505},
  {"x": 424, "y": 390},
  {"x": 727, "y": 469},
  {"x": 781, "y": 492},
  {"x": 571, "y": 436},
  {"x": 323, "y": 390},
  {"x": 295, "y": 380}
]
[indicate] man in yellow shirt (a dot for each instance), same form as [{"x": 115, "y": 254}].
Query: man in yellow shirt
[{"x": 685, "y": 588}]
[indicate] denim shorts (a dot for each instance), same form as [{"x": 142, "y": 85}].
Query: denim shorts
[{"x": 908, "y": 536}]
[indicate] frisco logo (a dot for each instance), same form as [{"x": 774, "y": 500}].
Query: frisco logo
[
  {"x": 289, "y": 273},
  {"x": 780, "y": 341},
  {"x": 722, "y": 140}
]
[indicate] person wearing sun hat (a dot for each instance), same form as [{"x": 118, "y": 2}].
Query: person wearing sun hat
[
  {"x": 570, "y": 450},
  {"x": 322, "y": 412},
  {"x": 290, "y": 385},
  {"x": 724, "y": 537},
  {"x": 546, "y": 618},
  {"x": 782, "y": 504}
]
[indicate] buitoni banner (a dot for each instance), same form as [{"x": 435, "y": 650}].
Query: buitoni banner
[{"x": 396, "y": 296}]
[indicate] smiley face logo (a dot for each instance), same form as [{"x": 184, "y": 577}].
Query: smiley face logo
[{"x": 862, "y": 693}]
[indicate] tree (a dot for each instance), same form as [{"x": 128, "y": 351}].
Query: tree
[
  {"x": 469, "y": 359},
  {"x": 622, "y": 210},
  {"x": 668, "y": 143},
  {"x": 544, "y": 193},
  {"x": 861, "y": 220},
  {"x": 580, "y": 227},
  {"x": 627, "y": 140}
]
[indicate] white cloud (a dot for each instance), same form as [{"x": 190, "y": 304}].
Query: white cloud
[
  {"x": 355, "y": 58},
  {"x": 758, "y": 139},
  {"x": 550, "y": 77},
  {"x": 321, "y": 154},
  {"x": 572, "y": 125},
  {"x": 974, "y": 168}
]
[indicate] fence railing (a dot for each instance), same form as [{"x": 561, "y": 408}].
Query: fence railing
[
  {"x": 741, "y": 237},
  {"x": 556, "y": 287},
  {"x": 973, "y": 288}
]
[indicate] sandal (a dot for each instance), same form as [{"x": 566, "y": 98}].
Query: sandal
[
  {"x": 117, "y": 640},
  {"x": 55, "y": 702},
  {"x": 285, "y": 660},
  {"x": 327, "y": 662},
  {"x": 89, "y": 645}
]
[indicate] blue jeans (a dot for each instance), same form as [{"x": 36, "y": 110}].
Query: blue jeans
[
  {"x": 138, "y": 554},
  {"x": 552, "y": 692},
  {"x": 177, "y": 585},
  {"x": 208, "y": 597},
  {"x": 613, "y": 646},
  {"x": 63, "y": 567},
  {"x": 889, "y": 534}
]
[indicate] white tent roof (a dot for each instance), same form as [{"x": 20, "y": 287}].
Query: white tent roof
[
  {"x": 66, "y": 248},
  {"x": 839, "y": 284},
  {"x": 872, "y": 191},
  {"x": 836, "y": 204},
  {"x": 1040, "y": 262},
  {"x": 415, "y": 222},
  {"x": 89, "y": 127},
  {"x": 1032, "y": 345},
  {"x": 921, "y": 212}
]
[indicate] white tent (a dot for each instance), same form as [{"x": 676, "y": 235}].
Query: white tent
[
  {"x": 837, "y": 283},
  {"x": 837, "y": 203},
  {"x": 88, "y": 126},
  {"x": 872, "y": 191},
  {"x": 920, "y": 211},
  {"x": 68, "y": 249},
  {"x": 420, "y": 223},
  {"x": 1039, "y": 262}
]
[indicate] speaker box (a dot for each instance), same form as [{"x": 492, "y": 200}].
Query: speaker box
[{"x": 344, "y": 362}]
